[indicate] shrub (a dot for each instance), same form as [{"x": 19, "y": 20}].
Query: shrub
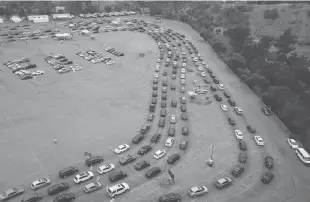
[
  {"x": 308, "y": 13},
  {"x": 219, "y": 47},
  {"x": 271, "y": 14}
]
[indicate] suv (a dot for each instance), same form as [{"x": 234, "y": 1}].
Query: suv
[
  {"x": 232, "y": 102},
  {"x": 145, "y": 128},
  {"x": 161, "y": 123},
  {"x": 56, "y": 188},
  {"x": 117, "y": 189},
  {"x": 117, "y": 175},
  {"x": 242, "y": 145},
  {"x": 251, "y": 129},
  {"x": 237, "y": 170},
  {"x": 174, "y": 103},
  {"x": 223, "y": 182},
  {"x": 269, "y": 162},
  {"x": 154, "y": 100},
  {"x": 231, "y": 121},
  {"x": 226, "y": 94},
  {"x": 152, "y": 107},
  {"x": 136, "y": 139},
  {"x": 171, "y": 132},
  {"x": 141, "y": 165},
  {"x": 63, "y": 173},
  {"x": 152, "y": 172},
  {"x": 183, "y": 107},
  {"x": 183, "y": 144},
  {"x": 185, "y": 131},
  {"x": 145, "y": 149},
  {"x": 267, "y": 177},
  {"x": 93, "y": 160},
  {"x": 163, "y": 113},
  {"x": 155, "y": 138},
  {"x": 243, "y": 157}
]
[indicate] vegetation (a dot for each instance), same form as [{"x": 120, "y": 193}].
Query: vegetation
[{"x": 269, "y": 65}]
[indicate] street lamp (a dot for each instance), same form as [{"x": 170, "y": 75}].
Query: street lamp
[{"x": 210, "y": 161}]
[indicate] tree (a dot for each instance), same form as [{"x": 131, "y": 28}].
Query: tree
[
  {"x": 236, "y": 61},
  {"x": 237, "y": 36},
  {"x": 286, "y": 41},
  {"x": 271, "y": 14},
  {"x": 74, "y": 7},
  {"x": 219, "y": 47},
  {"x": 108, "y": 9}
]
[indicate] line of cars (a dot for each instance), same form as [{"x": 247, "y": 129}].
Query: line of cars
[
  {"x": 21, "y": 68},
  {"x": 114, "y": 52},
  {"x": 94, "y": 57},
  {"x": 61, "y": 64},
  {"x": 110, "y": 14}
]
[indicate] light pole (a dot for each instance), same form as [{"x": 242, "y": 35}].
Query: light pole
[{"x": 210, "y": 161}]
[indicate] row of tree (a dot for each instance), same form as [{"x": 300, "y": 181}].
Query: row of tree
[{"x": 269, "y": 66}]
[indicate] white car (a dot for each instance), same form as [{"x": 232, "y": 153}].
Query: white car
[
  {"x": 259, "y": 140},
  {"x": 183, "y": 71},
  {"x": 238, "y": 110},
  {"x": 220, "y": 86},
  {"x": 167, "y": 60},
  {"x": 183, "y": 76},
  {"x": 197, "y": 63},
  {"x": 117, "y": 189},
  {"x": 44, "y": 37},
  {"x": 157, "y": 69},
  {"x": 169, "y": 142},
  {"x": 175, "y": 63},
  {"x": 200, "y": 68},
  {"x": 195, "y": 59},
  {"x": 43, "y": 182},
  {"x": 224, "y": 107},
  {"x": 169, "y": 52},
  {"x": 159, "y": 154},
  {"x": 238, "y": 134},
  {"x": 183, "y": 81},
  {"x": 192, "y": 55},
  {"x": 184, "y": 65},
  {"x": 292, "y": 143},
  {"x": 122, "y": 148},
  {"x": 183, "y": 53},
  {"x": 156, "y": 75},
  {"x": 198, "y": 191},
  {"x": 82, "y": 177},
  {"x": 158, "y": 60},
  {"x": 173, "y": 119},
  {"x": 105, "y": 168},
  {"x": 203, "y": 62},
  {"x": 157, "y": 65},
  {"x": 207, "y": 66},
  {"x": 111, "y": 62},
  {"x": 203, "y": 74}
]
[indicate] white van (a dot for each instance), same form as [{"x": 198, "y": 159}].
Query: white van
[
  {"x": 117, "y": 189},
  {"x": 303, "y": 155}
]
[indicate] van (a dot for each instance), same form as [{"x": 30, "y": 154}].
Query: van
[
  {"x": 117, "y": 189},
  {"x": 303, "y": 156}
]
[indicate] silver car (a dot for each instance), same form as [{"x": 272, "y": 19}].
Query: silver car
[{"x": 92, "y": 187}]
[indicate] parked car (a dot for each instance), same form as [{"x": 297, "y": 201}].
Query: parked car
[
  {"x": 141, "y": 165},
  {"x": 152, "y": 172},
  {"x": 266, "y": 111},
  {"x": 138, "y": 138},
  {"x": 242, "y": 145},
  {"x": 117, "y": 189},
  {"x": 106, "y": 168},
  {"x": 121, "y": 148},
  {"x": 82, "y": 177},
  {"x": 183, "y": 144},
  {"x": 145, "y": 149},
  {"x": 57, "y": 188},
  {"x": 91, "y": 187},
  {"x": 237, "y": 170},
  {"x": 155, "y": 138},
  {"x": 198, "y": 191},
  {"x": 173, "y": 158},
  {"x": 223, "y": 182},
  {"x": 127, "y": 159},
  {"x": 170, "y": 197},
  {"x": 65, "y": 172},
  {"x": 117, "y": 175},
  {"x": 267, "y": 177},
  {"x": 37, "y": 184},
  {"x": 269, "y": 162},
  {"x": 243, "y": 157},
  {"x": 11, "y": 193},
  {"x": 93, "y": 160},
  {"x": 251, "y": 129},
  {"x": 171, "y": 132},
  {"x": 65, "y": 197},
  {"x": 33, "y": 197}
]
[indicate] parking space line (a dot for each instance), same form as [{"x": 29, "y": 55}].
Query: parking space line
[
  {"x": 177, "y": 188},
  {"x": 143, "y": 185},
  {"x": 249, "y": 187},
  {"x": 223, "y": 160},
  {"x": 155, "y": 190}
]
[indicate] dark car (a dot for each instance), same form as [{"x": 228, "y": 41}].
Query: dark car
[
  {"x": 251, "y": 129},
  {"x": 171, "y": 197},
  {"x": 183, "y": 144},
  {"x": 243, "y": 145},
  {"x": 232, "y": 102},
  {"x": 243, "y": 157},
  {"x": 183, "y": 108},
  {"x": 173, "y": 158},
  {"x": 213, "y": 88},
  {"x": 269, "y": 162},
  {"x": 163, "y": 113},
  {"x": 184, "y": 116},
  {"x": 136, "y": 139},
  {"x": 237, "y": 170},
  {"x": 218, "y": 98},
  {"x": 141, "y": 165},
  {"x": 152, "y": 107},
  {"x": 155, "y": 86},
  {"x": 145, "y": 128},
  {"x": 65, "y": 172},
  {"x": 56, "y": 188},
  {"x": 174, "y": 71},
  {"x": 65, "y": 197},
  {"x": 127, "y": 159},
  {"x": 117, "y": 175},
  {"x": 152, "y": 172},
  {"x": 164, "y": 96},
  {"x": 231, "y": 121},
  {"x": 155, "y": 138},
  {"x": 174, "y": 103},
  {"x": 161, "y": 122},
  {"x": 154, "y": 100},
  {"x": 145, "y": 149},
  {"x": 34, "y": 197},
  {"x": 93, "y": 160},
  {"x": 216, "y": 81},
  {"x": 173, "y": 87},
  {"x": 206, "y": 81},
  {"x": 171, "y": 132},
  {"x": 267, "y": 177},
  {"x": 266, "y": 111},
  {"x": 155, "y": 80},
  {"x": 164, "y": 83},
  {"x": 212, "y": 76},
  {"x": 154, "y": 93},
  {"x": 163, "y": 104},
  {"x": 226, "y": 94}
]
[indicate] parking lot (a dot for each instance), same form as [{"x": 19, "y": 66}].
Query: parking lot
[{"x": 49, "y": 122}]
